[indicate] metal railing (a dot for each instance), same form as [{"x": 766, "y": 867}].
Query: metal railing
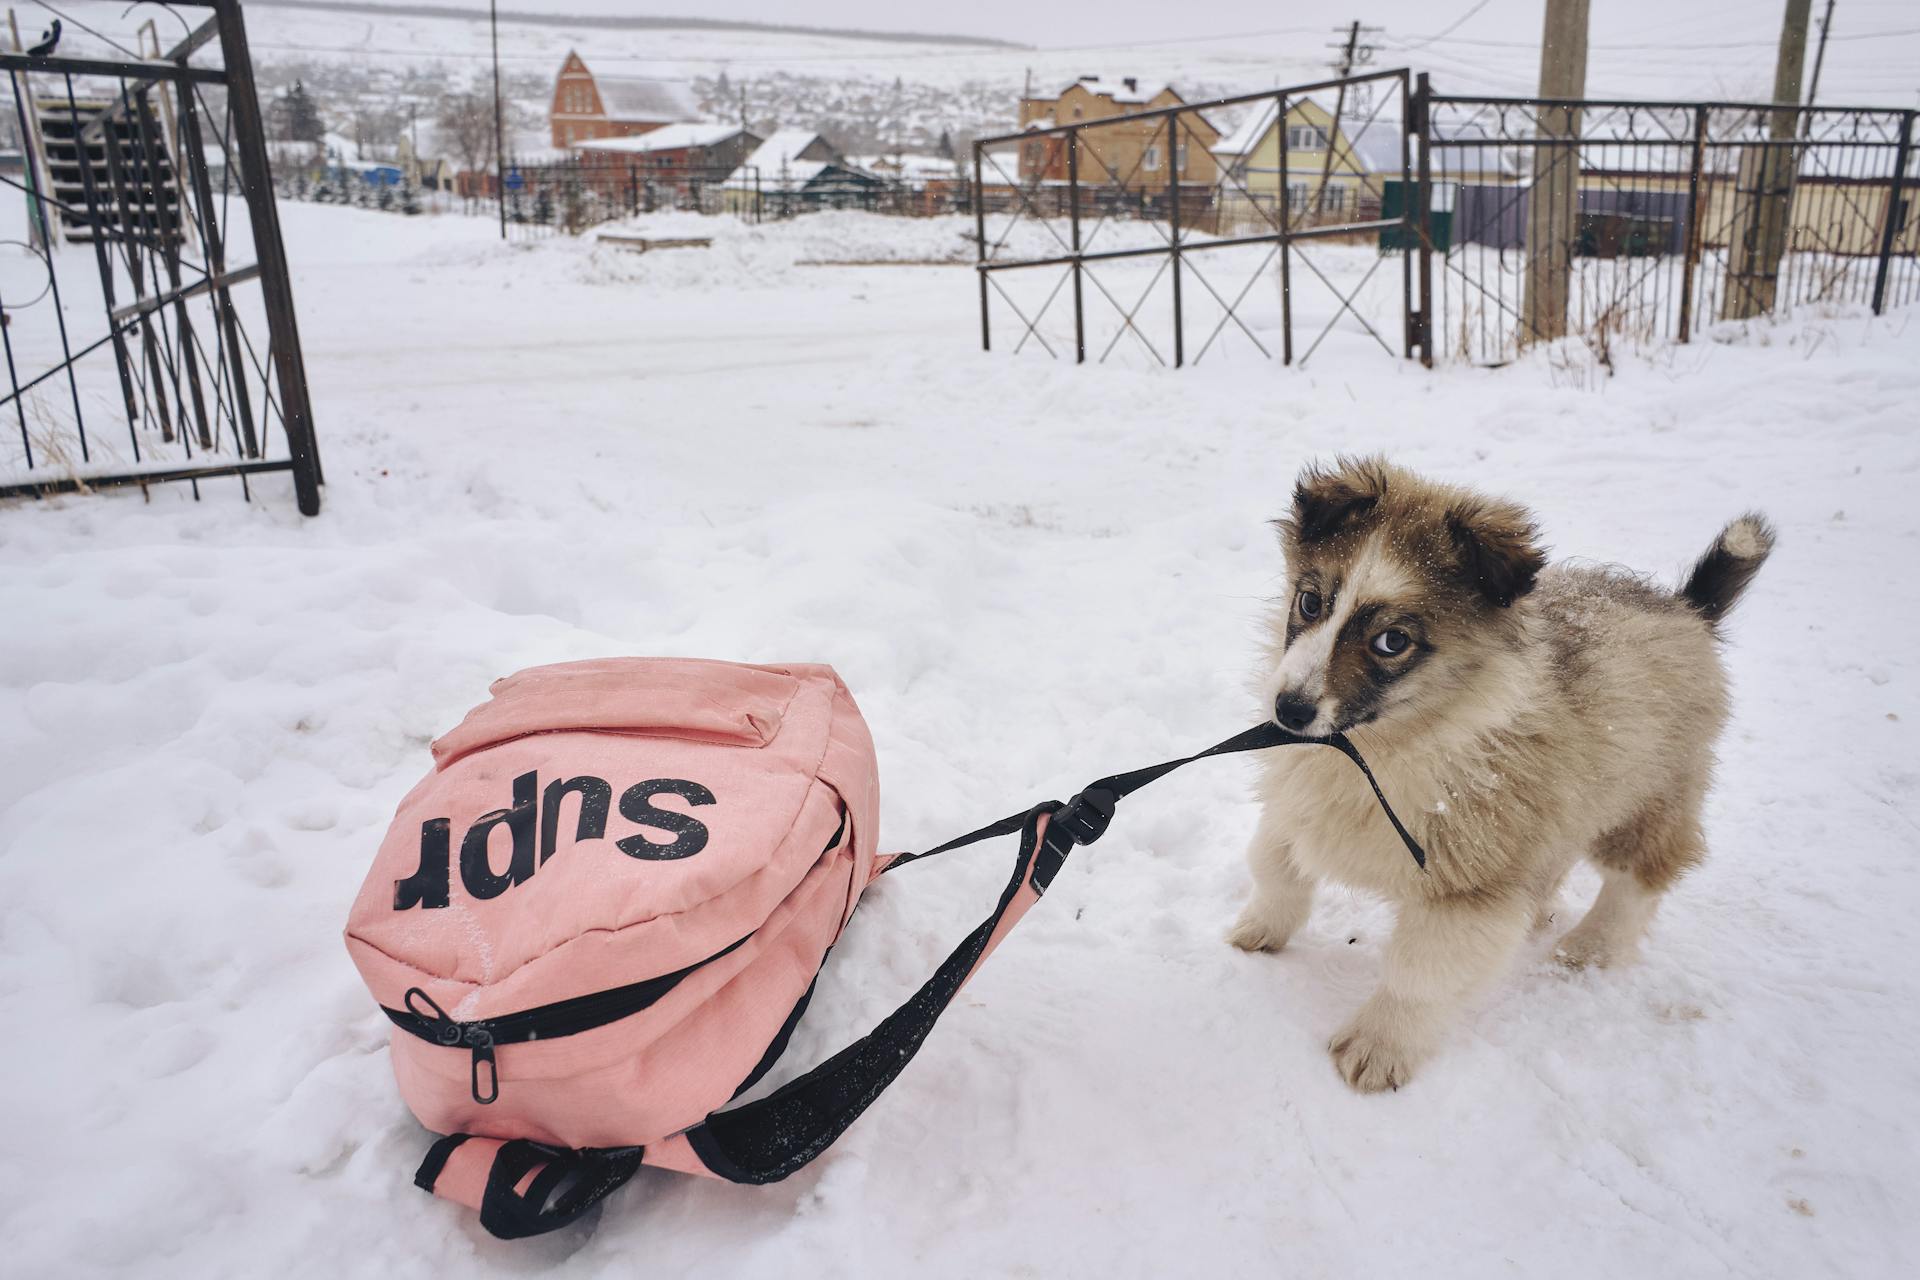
[
  {"x": 120, "y": 176},
  {"x": 1119, "y": 204},
  {"x": 1514, "y": 221},
  {"x": 1623, "y": 221}
]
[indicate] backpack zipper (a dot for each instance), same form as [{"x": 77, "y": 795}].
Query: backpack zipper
[{"x": 424, "y": 1018}]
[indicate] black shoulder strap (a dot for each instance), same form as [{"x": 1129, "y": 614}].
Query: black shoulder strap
[
  {"x": 765, "y": 1140},
  {"x": 772, "y": 1137}
]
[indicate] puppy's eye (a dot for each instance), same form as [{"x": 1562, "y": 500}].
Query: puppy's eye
[
  {"x": 1391, "y": 642},
  {"x": 1310, "y": 605}
]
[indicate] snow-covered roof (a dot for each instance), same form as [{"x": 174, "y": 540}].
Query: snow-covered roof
[
  {"x": 779, "y": 163},
  {"x": 794, "y": 175},
  {"x": 784, "y": 147},
  {"x": 909, "y": 167},
  {"x": 1122, "y": 88},
  {"x": 670, "y": 138},
  {"x": 1376, "y": 143},
  {"x": 1247, "y": 134},
  {"x": 637, "y": 98}
]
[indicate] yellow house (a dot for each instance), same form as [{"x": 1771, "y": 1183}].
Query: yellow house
[{"x": 1328, "y": 176}]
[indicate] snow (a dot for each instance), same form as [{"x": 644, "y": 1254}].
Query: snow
[
  {"x": 671, "y": 137},
  {"x": 1031, "y": 574},
  {"x": 777, "y": 163}
]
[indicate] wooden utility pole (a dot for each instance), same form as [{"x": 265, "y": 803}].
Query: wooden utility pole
[
  {"x": 1763, "y": 191},
  {"x": 1553, "y": 202},
  {"x": 1351, "y": 56}
]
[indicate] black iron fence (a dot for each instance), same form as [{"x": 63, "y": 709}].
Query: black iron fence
[
  {"x": 1654, "y": 219},
  {"x": 572, "y": 195},
  {"x": 132, "y": 167},
  {"x": 1512, "y": 221}
]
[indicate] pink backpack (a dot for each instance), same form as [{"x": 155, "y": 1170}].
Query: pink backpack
[{"x": 597, "y": 921}]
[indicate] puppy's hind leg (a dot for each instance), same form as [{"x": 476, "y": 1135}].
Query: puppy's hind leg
[
  {"x": 1282, "y": 897},
  {"x": 1638, "y": 861}
]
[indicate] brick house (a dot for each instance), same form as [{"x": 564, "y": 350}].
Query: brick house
[
  {"x": 1135, "y": 155},
  {"x": 587, "y": 107},
  {"x": 681, "y": 159}
]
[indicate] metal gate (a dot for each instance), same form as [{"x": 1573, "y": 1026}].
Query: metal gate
[
  {"x": 1513, "y": 221},
  {"x": 130, "y": 298},
  {"x": 1144, "y": 236},
  {"x": 1622, "y": 222}
]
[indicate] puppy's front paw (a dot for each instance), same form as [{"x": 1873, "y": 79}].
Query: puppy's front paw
[
  {"x": 1585, "y": 948},
  {"x": 1256, "y": 930},
  {"x": 1372, "y": 1058}
]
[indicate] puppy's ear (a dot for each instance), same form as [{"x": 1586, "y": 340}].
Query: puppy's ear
[
  {"x": 1326, "y": 501},
  {"x": 1498, "y": 548}
]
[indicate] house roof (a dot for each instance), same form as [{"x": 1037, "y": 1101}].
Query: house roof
[
  {"x": 673, "y": 137},
  {"x": 638, "y": 98},
  {"x": 1122, "y": 88},
  {"x": 1376, "y": 144},
  {"x": 779, "y": 163},
  {"x": 783, "y": 148},
  {"x": 910, "y": 167},
  {"x": 1247, "y": 134}
]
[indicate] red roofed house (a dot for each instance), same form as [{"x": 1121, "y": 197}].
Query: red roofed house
[{"x": 587, "y": 107}]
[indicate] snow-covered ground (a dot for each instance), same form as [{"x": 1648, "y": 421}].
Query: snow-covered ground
[{"x": 1030, "y": 574}]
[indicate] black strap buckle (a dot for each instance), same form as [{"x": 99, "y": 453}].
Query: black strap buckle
[{"x": 1084, "y": 818}]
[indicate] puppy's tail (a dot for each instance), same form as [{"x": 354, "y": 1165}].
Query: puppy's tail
[{"x": 1721, "y": 575}]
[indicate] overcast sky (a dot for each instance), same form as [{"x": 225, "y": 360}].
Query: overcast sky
[
  {"x": 1080, "y": 22},
  {"x": 1639, "y": 45}
]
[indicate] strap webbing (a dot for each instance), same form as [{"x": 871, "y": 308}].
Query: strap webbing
[{"x": 772, "y": 1137}]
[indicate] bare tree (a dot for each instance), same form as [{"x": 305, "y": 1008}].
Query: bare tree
[{"x": 465, "y": 124}]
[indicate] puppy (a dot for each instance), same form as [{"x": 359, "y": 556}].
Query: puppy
[{"x": 1518, "y": 717}]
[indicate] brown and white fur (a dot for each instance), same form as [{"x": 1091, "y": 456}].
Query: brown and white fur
[{"x": 1531, "y": 716}]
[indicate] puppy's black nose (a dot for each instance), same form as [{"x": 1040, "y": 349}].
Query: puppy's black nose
[{"x": 1294, "y": 712}]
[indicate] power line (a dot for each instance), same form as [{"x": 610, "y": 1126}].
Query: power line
[
  {"x": 1716, "y": 44},
  {"x": 1455, "y": 25}
]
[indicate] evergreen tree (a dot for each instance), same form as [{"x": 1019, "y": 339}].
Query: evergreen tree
[
  {"x": 296, "y": 117},
  {"x": 945, "y": 147}
]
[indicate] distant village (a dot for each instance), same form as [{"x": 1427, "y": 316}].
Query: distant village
[{"x": 655, "y": 142}]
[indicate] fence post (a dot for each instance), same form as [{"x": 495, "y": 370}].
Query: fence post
[
  {"x": 1173, "y": 225},
  {"x": 1890, "y": 222},
  {"x": 980, "y": 246},
  {"x": 256, "y": 183},
  {"x": 1410, "y": 320},
  {"x": 1423, "y": 193},
  {"x": 1285, "y": 206},
  {"x": 1073, "y": 212},
  {"x": 1691, "y": 261}
]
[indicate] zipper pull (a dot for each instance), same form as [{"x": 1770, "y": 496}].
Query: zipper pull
[
  {"x": 422, "y": 1006},
  {"x": 480, "y": 1040},
  {"x": 447, "y": 1031}
]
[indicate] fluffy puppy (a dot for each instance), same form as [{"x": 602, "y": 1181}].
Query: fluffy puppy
[{"x": 1517, "y": 716}]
